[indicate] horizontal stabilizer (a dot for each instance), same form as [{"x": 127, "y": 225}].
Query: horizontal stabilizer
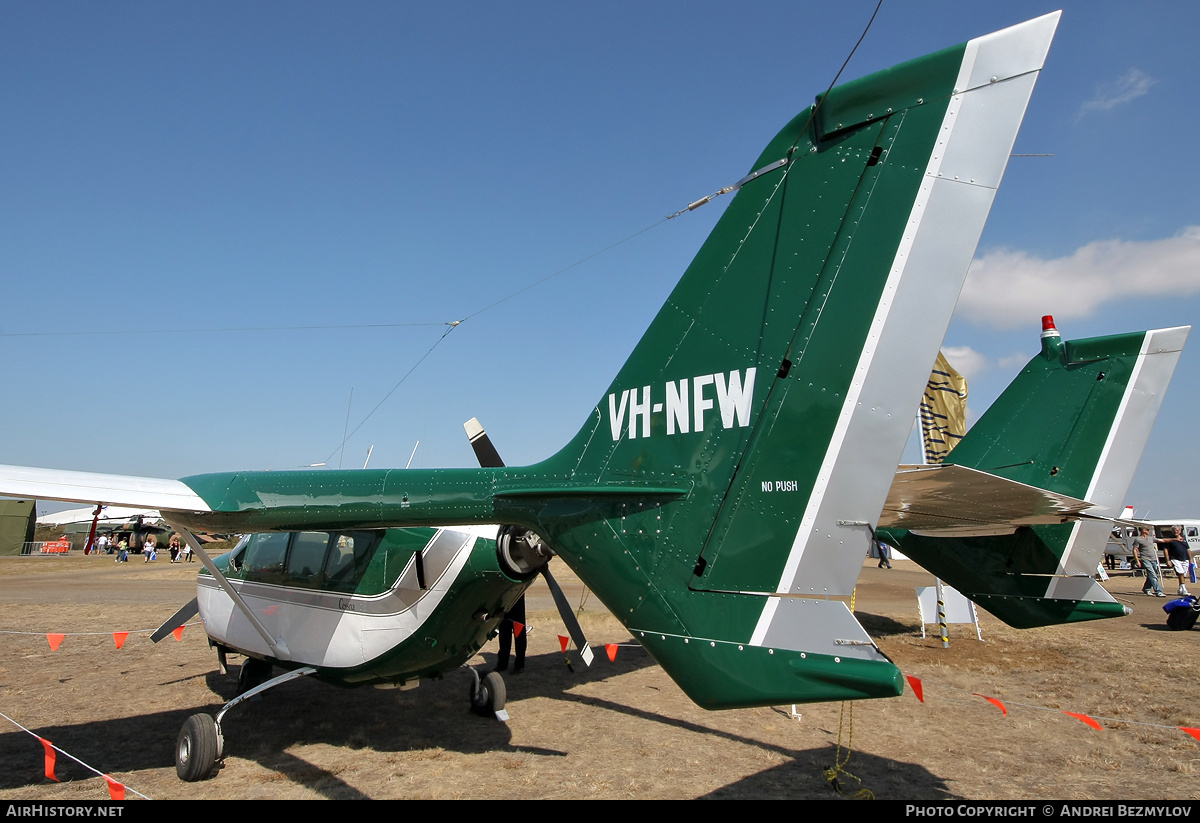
[{"x": 956, "y": 501}]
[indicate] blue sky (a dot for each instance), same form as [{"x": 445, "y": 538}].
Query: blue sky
[{"x": 169, "y": 167}]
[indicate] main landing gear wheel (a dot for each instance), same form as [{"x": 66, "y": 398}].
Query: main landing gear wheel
[
  {"x": 254, "y": 672},
  {"x": 488, "y": 696},
  {"x": 198, "y": 748}
]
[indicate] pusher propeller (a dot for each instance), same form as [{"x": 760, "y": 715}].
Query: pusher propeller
[
  {"x": 568, "y": 617},
  {"x": 524, "y": 546}
]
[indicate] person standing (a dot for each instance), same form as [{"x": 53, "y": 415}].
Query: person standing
[
  {"x": 885, "y": 560},
  {"x": 512, "y": 627},
  {"x": 1145, "y": 554},
  {"x": 1177, "y": 554}
]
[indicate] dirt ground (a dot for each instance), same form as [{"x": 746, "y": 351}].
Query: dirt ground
[{"x": 617, "y": 730}]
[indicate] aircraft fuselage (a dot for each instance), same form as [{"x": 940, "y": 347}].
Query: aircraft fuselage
[{"x": 362, "y": 607}]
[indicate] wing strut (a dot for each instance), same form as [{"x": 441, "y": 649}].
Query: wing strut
[{"x": 278, "y": 647}]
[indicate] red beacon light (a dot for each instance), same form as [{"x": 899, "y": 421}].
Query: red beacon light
[{"x": 1052, "y": 345}]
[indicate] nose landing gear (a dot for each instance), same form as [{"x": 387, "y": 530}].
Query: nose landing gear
[{"x": 488, "y": 695}]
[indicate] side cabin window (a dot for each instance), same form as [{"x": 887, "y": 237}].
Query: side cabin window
[
  {"x": 350, "y": 554},
  {"x": 335, "y": 561},
  {"x": 307, "y": 557},
  {"x": 266, "y": 553}
]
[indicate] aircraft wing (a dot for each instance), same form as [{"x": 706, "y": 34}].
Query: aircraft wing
[
  {"x": 956, "y": 501},
  {"x": 92, "y": 487}
]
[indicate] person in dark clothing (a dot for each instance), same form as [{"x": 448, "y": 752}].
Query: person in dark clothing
[
  {"x": 1178, "y": 555},
  {"x": 507, "y": 632}
]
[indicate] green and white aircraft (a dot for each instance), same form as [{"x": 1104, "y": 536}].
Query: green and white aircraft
[{"x": 720, "y": 498}]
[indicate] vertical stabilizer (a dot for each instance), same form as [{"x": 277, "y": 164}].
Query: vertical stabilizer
[
  {"x": 774, "y": 391},
  {"x": 1073, "y": 422}
]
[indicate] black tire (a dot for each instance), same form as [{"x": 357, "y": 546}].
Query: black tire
[
  {"x": 1182, "y": 618},
  {"x": 490, "y": 696},
  {"x": 197, "y": 748},
  {"x": 254, "y": 672}
]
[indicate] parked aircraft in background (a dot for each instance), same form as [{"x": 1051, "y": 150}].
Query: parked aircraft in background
[
  {"x": 109, "y": 516},
  {"x": 1191, "y": 531}
]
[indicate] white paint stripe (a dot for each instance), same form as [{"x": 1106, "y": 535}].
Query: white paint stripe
[
  {"x": 1126, "y": 396},
  {"x": 882, "y": 310},
  {"x": 330, "y": 638}
]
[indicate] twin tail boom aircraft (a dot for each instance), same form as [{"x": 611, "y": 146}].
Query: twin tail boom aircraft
[{"x": 720, "y": 498}]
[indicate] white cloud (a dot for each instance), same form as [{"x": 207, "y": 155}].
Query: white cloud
[
  {"x": 1129, "y": 86},
  {"x": 1004, "y": 288},
  {"x": 965, "y": 360},
  {"x": 1013, "y": 361}
]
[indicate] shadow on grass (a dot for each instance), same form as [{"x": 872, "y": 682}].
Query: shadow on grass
[
  {"x": 434, "y": 716},
  {"x": 878, "y": 625}
]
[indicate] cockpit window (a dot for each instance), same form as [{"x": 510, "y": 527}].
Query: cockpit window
[
  {"x": 266, "y": 552},
  {"x": 238, "y": 556}
]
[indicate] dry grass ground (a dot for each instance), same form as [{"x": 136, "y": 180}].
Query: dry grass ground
[{"x": 619, "y": 730}]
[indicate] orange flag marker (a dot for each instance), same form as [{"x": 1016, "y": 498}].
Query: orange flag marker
[
  {"x": 518, "y": 628},
  {"x": 115, "y": 790},
  {"x": 50, "y": 756},
  {"x": 611, "y": 648},
  {"x": 1193, "y": 732},
  {"x": 563, "y": 641},
  {"x": 1083, "y": 718},
  {"x": 119, "y": 638},
  {"x": 915, "y": 683},
  {"x": 178, "y": 633},
  {"x": 55, "y": 640},
  {"x": 993, "y": 701}
]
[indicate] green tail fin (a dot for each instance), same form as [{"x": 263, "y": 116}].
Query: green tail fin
[
  {"x": 726, "y": 485},
  {"x": 1074, "y": 422}
]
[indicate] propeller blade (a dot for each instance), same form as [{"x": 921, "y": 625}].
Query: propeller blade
[
  {"x": 568, "y": 617},
  {"x": 489, "y": 458},
  {"x": 176, "y": 620},
  {"x": 485, "y": 452}
]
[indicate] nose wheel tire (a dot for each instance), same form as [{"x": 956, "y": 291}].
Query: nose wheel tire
[
  {"x": 198, "y": 748},
  {"x": 488, "y": 696}
]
